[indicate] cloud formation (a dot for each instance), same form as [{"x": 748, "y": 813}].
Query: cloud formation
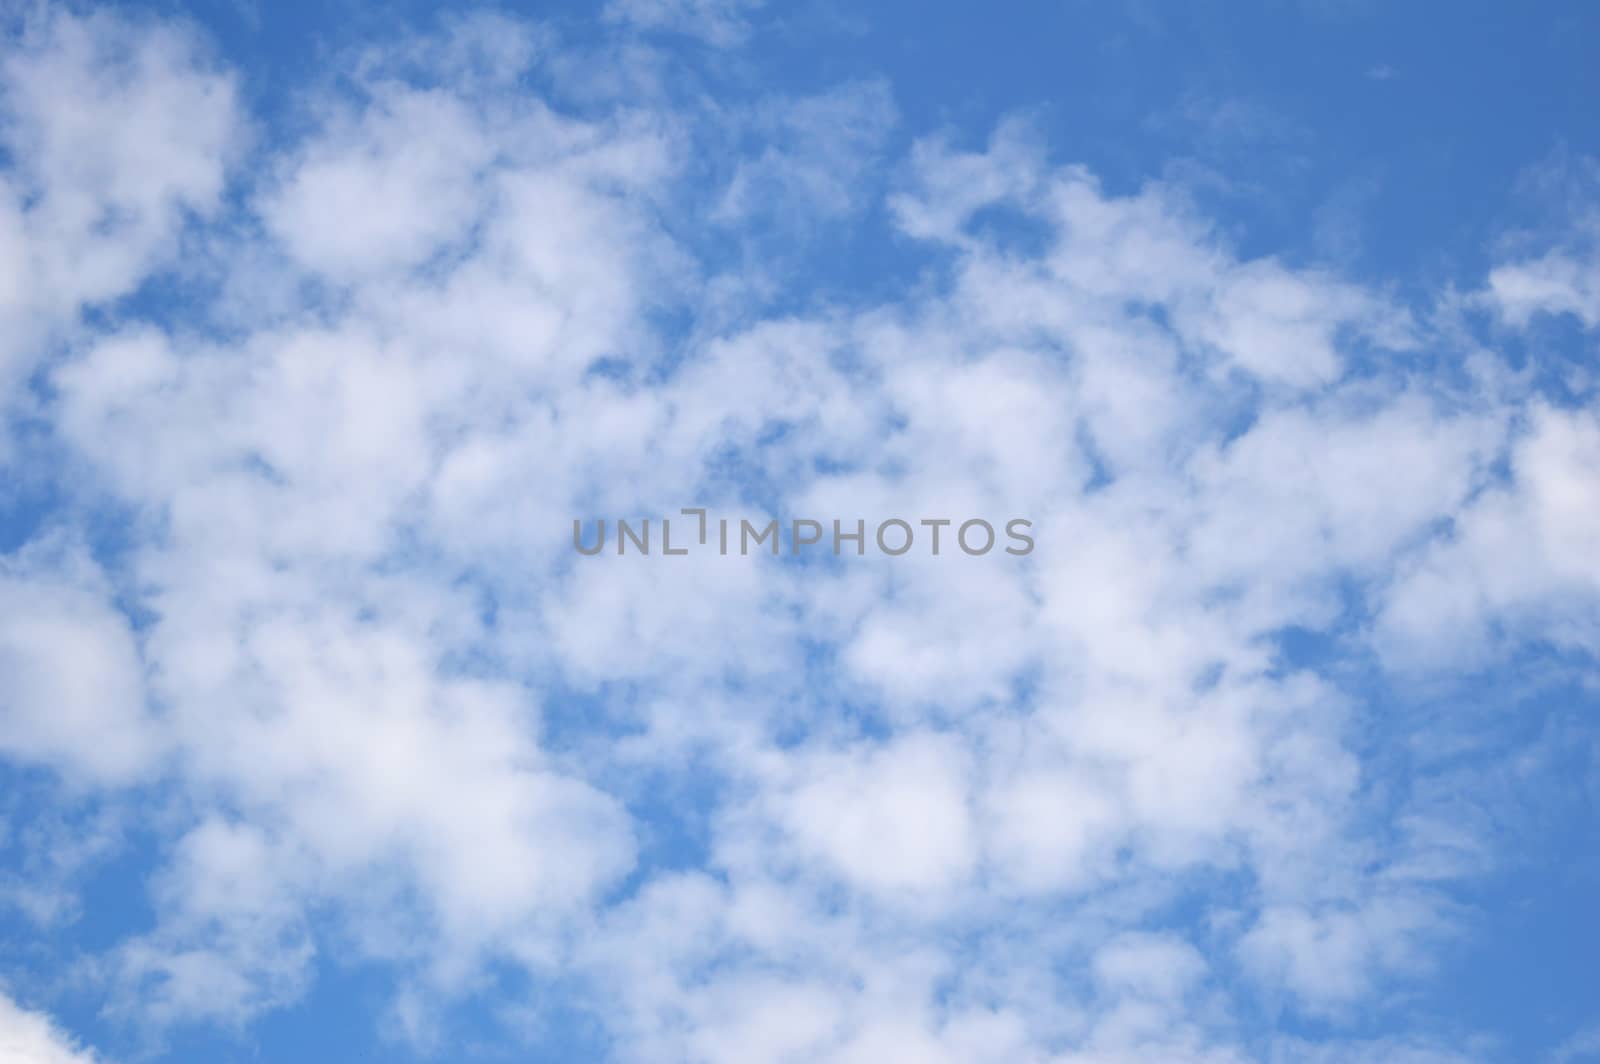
[
  {"x": 328, "y": 399},
  {"x": 28, "y": 1037}
]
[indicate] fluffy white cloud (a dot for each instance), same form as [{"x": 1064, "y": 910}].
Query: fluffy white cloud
[
  {"x": 1556, "y": 283},
  {"x": 1521, "y": 555},
  {"x": 72, "y": 687},
  {"x": 28, "y": 1037},
  {"x": 115, "y": 137},
  {"x": 890, "y": 819}
]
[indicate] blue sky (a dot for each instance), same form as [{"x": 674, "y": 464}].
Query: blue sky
[{"x": 320, "y": 324}]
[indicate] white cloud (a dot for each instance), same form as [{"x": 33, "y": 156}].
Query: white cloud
[
  {"x": 70, "y": 672},
  {"x": 234, "y": 939},
  {"x": 28, "y": 1037},
  {"x": 1162, "y": 968},
  {"x": 892, "y": 819},
  {"x": 1522, "y": 555},
  {"x": 400, "y": 177},
  {"x": 118, "y": 134},
  {"x": 1555, "y": 283}
]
